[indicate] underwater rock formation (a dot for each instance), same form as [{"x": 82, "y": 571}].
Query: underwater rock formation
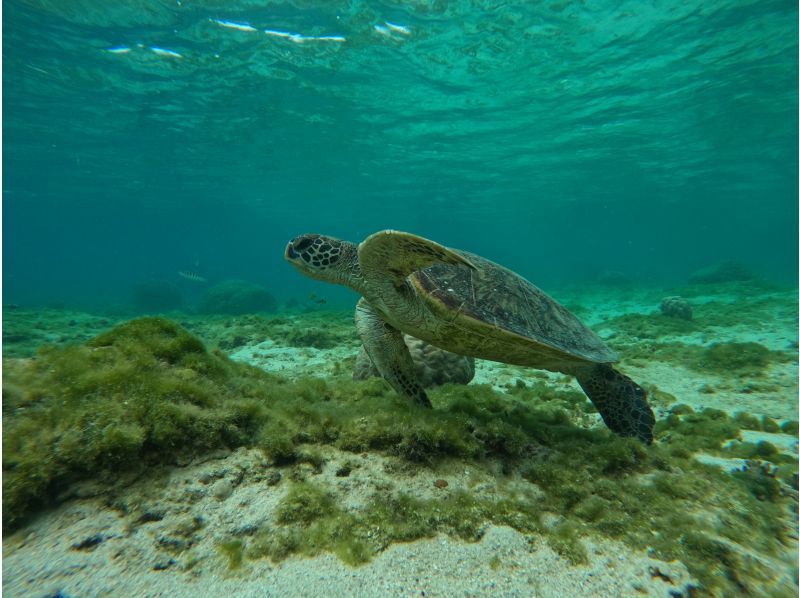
[
  {"x": 434, "y": 366},
  {"x": 676, "y": 307},
  {"x": 237, "y": 297},
  {"x": 144, "y": 393},
  {"x": 156, "y": 295},
  {"x": 724, "y": 272}
]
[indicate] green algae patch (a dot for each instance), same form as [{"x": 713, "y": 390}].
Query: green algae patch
[
  {"x": 724, "y": 359},
  {"x": 769, "y": 425},
  {"x": 688, "y": 432},
  {"x": 310, "y": 522},
  {"x": 749, "y": 308},
  {"x": 467, "y": 422},
  {"x": 649, "y": 326},
  {"x": 233, "y": 551},
  {"x": 711, "y": 431},
  {"x": 642, "y": 338},
  {"x": 657, "y": 501},
  {"x": 677, "y": 353},
  {"x": 747, "y": 421},
  {"x": 320, "y": 330},
  {"x": 656, "y": 498},
  {"x": 356, "y": 537},
  {"x": 754, "y": 311},
  {"x": 645, "y": 497},
  {"x": 145, "y": 392},
  {"x": 736, "y": 358},
  {"x": 304, "y": 504}
]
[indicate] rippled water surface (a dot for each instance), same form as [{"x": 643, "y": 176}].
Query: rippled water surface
[{"x": 560, "y": 138}]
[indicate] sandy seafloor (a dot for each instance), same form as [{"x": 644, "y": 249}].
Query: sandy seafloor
[{"x": 233, "y": 491}]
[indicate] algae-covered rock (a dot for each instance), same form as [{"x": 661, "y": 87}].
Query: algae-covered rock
[
  {"x": 237, "y": 297},
  {"x": 434, "y": 366},
  {"x": 145, "y": 392},
  {"x": 676, "y": 307}
]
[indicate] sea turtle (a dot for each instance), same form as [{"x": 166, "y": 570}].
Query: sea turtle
[{"x": 465, "y": 304}]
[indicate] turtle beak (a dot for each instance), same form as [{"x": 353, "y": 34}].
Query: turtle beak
[{"x": 291, "y": 254}]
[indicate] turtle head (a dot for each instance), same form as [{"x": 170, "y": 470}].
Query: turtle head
[{"x": 325, "y": 258}]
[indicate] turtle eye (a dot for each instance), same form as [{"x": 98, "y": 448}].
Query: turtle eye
[{"x": 303, "y": 244}]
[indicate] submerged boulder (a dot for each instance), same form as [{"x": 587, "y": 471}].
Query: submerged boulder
[
  {"x": 676, "y": 307},
  {"x": 434, "y": 366}
]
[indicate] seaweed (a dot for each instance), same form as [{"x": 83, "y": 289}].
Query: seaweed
[
  {"x": 142, "y": 393},
  {"x": 737, "y": 358},
  {"x": 233, "y": 551},
  {"x": 649, "y": 326},
  {"x": 320, "y": 330},
  {"x": 689, "y": 431},
  {"x": 746, "y": 421},
  {"x": 148, "y": 392},
  {"x": 726, "y": 359}
]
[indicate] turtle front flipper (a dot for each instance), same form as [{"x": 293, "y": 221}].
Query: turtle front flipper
[
  {"x": 397, "y": 254},
  {"x": 385, "y": 347},
  {"x": 621, "y": 402}
]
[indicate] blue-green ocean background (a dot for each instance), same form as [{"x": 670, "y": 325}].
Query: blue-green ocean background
[{"x": 562, "y": 139}]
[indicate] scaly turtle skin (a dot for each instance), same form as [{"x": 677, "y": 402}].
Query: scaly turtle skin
[{"x": 463, "y": 303}]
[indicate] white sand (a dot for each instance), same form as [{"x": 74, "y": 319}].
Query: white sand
[
  {"x": 293, "y": 362},
  {"x": 41, "y": 559}
]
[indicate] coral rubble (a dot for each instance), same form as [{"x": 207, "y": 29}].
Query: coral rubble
[{"x": 676, "y": 307}]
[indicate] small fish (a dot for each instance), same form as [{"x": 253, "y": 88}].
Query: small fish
[
  {"x": 312, "y": 296},
  {"x": 329, "y": 38},
  {"x": 232, "y": 25},
  {"x": 165, "y": 52},
  {"x": 119, "y": 50},
  {"x": 398, "y": 28},
  {"x": 299, "y": 39},
  {"x": 188, "y": 275},
  {"x": 278, "y": 33}
]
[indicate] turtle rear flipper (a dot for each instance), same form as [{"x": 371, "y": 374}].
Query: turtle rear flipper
[{"x": 621, "y": 402}]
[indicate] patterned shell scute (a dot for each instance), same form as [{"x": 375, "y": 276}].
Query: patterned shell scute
[{"x": 502, "y": 299}]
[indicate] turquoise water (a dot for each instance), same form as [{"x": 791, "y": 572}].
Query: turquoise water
[
  {"x": 638, "y": 161},
  {"x": 561, "y": 139}
]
